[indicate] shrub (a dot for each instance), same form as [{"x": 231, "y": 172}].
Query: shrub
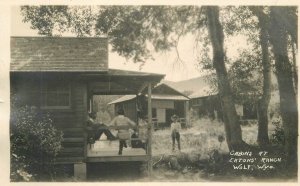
[
  {"x": 34, "y": 143},
  {"x": 278, "y": 135}
]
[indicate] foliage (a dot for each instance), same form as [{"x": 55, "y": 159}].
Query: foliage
[
  {"x": 46, "y": 18},
  {"x": 246, "y": 77},
  {"x": 18, "y": 169},
  {"x": 240, "y": 20},
  {"x": 278, "y": 134},
  {"x": 34, "y": 143},
  {"x": 132, "y": 30}
]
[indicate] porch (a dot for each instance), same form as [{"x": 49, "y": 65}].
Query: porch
[
  {"x": 59, "y": 76},
  {"x": 105, "y": 150}
]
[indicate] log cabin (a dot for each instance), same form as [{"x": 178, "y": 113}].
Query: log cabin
[
  {"x": 205, "y": 100},
  {"x": 166, "y": 101},
  {"x": 206, "y": 103},
  {"x": 60, "y": 75}
]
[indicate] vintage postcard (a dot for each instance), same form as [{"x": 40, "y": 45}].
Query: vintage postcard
[{"x": 143, "y": 92}]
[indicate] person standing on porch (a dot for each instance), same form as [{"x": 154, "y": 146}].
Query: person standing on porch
[
  {"x": 122, "y": 124},
  {"x": 175, "y": 131}
]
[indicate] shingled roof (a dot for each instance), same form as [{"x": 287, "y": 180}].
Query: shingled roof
[{"x": 58, "y": 54}]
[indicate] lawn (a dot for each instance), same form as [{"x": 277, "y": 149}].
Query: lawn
[
  {"x": 201, "y": 137},
  {"x": 197, "y": 143}
]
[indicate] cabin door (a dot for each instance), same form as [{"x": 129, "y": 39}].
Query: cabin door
[{"x": 169, "y": 113}]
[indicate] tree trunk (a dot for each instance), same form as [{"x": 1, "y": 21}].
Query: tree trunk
[
  {"x": 295, "y": 69},
  {"x": 232, "y": 125},
  {"x": 263, "y": 103},
  {"x": 288, "y": 104}
]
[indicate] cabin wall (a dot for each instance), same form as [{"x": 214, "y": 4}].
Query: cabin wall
[
  {"x": 162, "y": 110},
  {"x": 73, "y": 125},
  {"x": 70, "y": 121},
  {"x": 209, "y": 106},
  {"x": 129, "y": 109},
  {"x": 166, "y": 104}
]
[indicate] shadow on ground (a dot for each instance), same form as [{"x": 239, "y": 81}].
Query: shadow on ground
[{"x": 114, "y": 171}]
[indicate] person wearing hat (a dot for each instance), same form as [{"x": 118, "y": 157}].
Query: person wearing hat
[
  {"x": 175, "y": 129},
  {"x": 123, "y": 124}
]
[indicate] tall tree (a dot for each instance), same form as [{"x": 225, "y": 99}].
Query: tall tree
[
  {"x": 252, "y": 71},
  {"x": 232, "y": 125},
  {"x": 295, "y": 70},
  {"x": 263, "y": 103},
  {"x": 278, "y": 31}
]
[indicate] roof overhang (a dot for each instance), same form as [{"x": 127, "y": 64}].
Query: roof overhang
[
  {"x": 169, "y": 97},
  {"x": 121, "y": 82},
  {"x": 111, "y": 82}
]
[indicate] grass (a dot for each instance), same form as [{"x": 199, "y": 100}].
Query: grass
[
  {"x": 202, "y": 137},
  {"x": 198, "y": 143}
]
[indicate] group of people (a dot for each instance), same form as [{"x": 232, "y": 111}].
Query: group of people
[
  {"x": 126, "y": 129},
  {"x": 124, "y": 125}
]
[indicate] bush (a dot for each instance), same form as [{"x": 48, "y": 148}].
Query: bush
[
  {"x": 34, "y": 144},
  {"x": 278, "y": 135}
]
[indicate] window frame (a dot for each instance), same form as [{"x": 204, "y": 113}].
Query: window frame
[{"x": 45, "y": 92}]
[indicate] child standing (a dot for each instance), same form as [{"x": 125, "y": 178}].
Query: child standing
[{"x": 175, "y": 129}]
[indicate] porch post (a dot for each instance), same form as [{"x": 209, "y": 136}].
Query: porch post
[
  {"x": 136, "y": 109},
  {"x": 91, "y": 103},
  {"x": 149, "y": 146},
  {"x": 187, "y": 114},
  {"x": 86, "y": 106}
]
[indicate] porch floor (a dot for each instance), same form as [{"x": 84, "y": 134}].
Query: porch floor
[{"x": 111, "y": 148}]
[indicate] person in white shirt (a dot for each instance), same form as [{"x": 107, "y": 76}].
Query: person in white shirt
[
  {"x": 175, "y": 131},
  {"x": 123, "y": 124}
]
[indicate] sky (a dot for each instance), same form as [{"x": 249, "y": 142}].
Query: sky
[{"x": 163, "y": 63}]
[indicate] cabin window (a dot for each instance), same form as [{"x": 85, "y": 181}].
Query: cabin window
[{"x": 56, "y": 95}]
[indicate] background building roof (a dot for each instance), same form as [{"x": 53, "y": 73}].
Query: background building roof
[
  {"x": 160, "y": 92},
  {"x": 122, "y": 99},
  {"x": 195, "y": 87},
  {"x": 203, "y": 92}
]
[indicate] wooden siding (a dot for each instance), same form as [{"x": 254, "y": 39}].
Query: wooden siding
[
  {"x": 70, "y": 121},
  {"x": 73, "y": 125},
  {"x": 166, "y": 104},
  {"x": 207, "y": 106}
]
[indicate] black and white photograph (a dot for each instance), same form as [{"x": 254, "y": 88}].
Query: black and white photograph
[{"x": 152, "y": 93}]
